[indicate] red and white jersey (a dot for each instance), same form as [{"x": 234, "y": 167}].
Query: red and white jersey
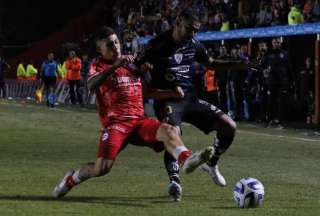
[{"x": 119, "y": 98}]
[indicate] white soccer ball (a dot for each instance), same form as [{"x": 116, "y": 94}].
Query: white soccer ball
[{"x": 248, "y": 193}]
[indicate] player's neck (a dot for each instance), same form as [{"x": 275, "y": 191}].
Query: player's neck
[{"x": 175, "y": 36}]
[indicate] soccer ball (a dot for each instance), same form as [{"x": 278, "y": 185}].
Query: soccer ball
[{"x": 248, "y": 193}]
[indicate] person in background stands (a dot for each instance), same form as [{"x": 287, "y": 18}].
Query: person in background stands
[{"x": 73, "y": 66}]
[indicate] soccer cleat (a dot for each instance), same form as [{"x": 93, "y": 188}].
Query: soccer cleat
[
  {"x": 215, "y": 174},
  {"x": 64, "y": 186},
  {"x": 175, "y": 191},
  {"x": 196, "y": 159}
]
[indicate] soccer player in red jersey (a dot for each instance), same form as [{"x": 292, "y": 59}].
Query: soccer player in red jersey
[{"x": 119, "y": 96}]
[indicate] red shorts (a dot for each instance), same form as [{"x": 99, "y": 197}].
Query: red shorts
[{"x": 140, "y": 132}]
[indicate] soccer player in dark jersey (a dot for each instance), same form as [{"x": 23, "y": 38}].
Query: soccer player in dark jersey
[
  {"x": 119, "y": 95},
  {"x": 171, "y": 57}
]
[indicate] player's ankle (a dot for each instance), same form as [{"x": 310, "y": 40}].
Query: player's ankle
[
  {"x": 175, "y": 178},
  {"x": 183, "y": 157},
  {"x": 76, "y": 177}
]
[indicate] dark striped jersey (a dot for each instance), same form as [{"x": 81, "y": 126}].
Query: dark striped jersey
[{"x": 174, "y": 64}]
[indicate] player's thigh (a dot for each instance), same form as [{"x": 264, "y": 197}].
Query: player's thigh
[
  {"x": 145, "y": 134},
  {"x": 112, "y": 141},
  {"x": 170, "y": 112},
  {"x": 204, "y": 116}
]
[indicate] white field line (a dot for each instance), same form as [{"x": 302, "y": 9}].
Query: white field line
[
  {"x": 239, "y": 131},
  {"x": 40, "y": 106},
  {"x": 278, "y": 136},
  {"x": 270, "y": 135}
]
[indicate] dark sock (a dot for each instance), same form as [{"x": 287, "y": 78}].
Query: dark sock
[
  {"x": 172, "y": 167},
  {"x": 221, "y": 144}
]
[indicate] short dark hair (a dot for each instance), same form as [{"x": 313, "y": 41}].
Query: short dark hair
[
  {"x": 104, "y": 32},
  {"x": 189, "y": 15}
]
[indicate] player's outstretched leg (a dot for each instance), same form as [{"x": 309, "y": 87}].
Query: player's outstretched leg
[
  {"x": 172, "y": 167},
  {"x": 99, "y": 168},
  {"x": 64, "y": 186},
  {"x": 226, "y": 129},
  {"x": 170, "y": 136},
  {"x": 215, "y": 174},
  {"x": 196, "y": 159}
]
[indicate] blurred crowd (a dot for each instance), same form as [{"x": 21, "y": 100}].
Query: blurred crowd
[
  {"x": 151, "y": 17},
  {"x": 268, "y": 91},
  {"x": 263, "y": 93}
]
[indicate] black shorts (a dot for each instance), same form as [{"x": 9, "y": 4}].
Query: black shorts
[
  {"x": 49, "y": 81},
  {"x": 190, "y": 109}
]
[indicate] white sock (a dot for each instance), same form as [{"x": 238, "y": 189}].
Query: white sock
[
  {"x": 75, "y": 177},
  {"x": 176, "y": 153}
]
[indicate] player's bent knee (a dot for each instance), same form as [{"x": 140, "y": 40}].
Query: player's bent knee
[
  {"x": 167, "y": 132},
  {"x": 227, "y": 126}
]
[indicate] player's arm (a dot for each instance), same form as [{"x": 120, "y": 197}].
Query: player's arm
[
  {"x": 161, "y": 94},
  {"x": 97, "y": 79},
  {"x": 218, "y": 64},
  {"x": 227, "y": 64},
  {"x": 157, "y": 94}
]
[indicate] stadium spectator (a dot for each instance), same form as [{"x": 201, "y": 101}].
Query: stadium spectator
[
  {"x": 225, "y": 23},
  {"x": 276, "y": 17},
  {"x": 210, "y": 87},
  {"x": 306, "y": 89},
  {"x": 238, "y": 78},
  {"x": 172, "y": 55},
  {"x": 295, "y": 16},
  {"x": 315, "y": 13},
  {"x": 119, "y": 94},
  {"x": 307, "y": 9},
  {"x": 61, "y": 71},
  {"x": 49, "y": 78},
  {"x": 279, "y": 81},
  {"x": 31, "y": 72},
  {"x": 21, "y": 71},
  {"x": 263, "y": 72},
  {"x": 4, "y": 66},
  {"x": 222, "y": 79},
  {"x": 264, "y": 16},
  {"x": 31, "y": 76},
  {"x": 73, "y": 66},
  {"x": 85, "y": 67}
]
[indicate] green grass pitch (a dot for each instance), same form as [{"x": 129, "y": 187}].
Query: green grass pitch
[{"x": 38, "y": 146}]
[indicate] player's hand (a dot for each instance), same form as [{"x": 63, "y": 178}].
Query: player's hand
[
  {"x": 123, "y": 60},
  {"x": 179, "y": 92},
  {"x": 145, "y": 67}
]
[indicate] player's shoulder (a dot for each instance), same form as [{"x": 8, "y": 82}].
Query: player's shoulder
[
  {"x": 97, "y": 60},
  {"x": 161, "y": 39},
  {"x": 196, "y": 43},
  {"x": 98, "y": 65}
]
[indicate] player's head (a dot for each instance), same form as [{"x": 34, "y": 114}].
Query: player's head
[
  {"x": 186, "y": 26},
  {"x": 50, "y": 56},
  {"x": 108, "y": 44}
]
